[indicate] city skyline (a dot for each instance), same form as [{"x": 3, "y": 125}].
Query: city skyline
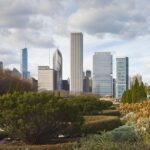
[{"x": 119, "y": 27}]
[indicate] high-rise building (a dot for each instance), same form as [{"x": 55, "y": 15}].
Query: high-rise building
[
  {"x": 76, "y": 84},
  {"x": 24, "y": 63},
  {"x": 102, "y": 74},
  {"x": 16, "y": 73},
  {"x": 86, "y": 84},
  {"x": 57, "y": 65},
  {"x": 114, "y": 88},
  {"x": 65, "y": 85},
  {"x": 46, "y": 79},
  {"x": 122, "y": 76},
  {"x": 1, "y": 65},
  {"x": 88, "y": 73}
]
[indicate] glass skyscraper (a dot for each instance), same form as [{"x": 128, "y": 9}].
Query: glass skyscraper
[
  {"x": 57, "y": 65},
  {"x": 102, "y": 74},
  {"x": 24, "y": 63},
  {"x": 122, "y": 76}
]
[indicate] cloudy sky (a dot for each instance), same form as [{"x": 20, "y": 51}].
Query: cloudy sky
[{"x": 119, "y": 26}]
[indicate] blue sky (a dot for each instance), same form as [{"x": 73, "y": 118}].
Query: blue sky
[{"x": 121, "y": 27}]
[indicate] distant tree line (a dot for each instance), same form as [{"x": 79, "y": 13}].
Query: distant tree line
[
  {"x": 10, "y": 83},
  {"x": 137, "y": 93}
]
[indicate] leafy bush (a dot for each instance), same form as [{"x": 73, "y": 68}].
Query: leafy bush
[
  {"x": 123, "y": 133},
  {"x": 90, "y": 105},
  {"x": 95, "y": 124},
  {"x": 37, "y": 117},
  {"x": 3, "y": 134}
]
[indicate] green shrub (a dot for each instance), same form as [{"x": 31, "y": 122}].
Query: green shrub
[
  {"x": 3, "y": 135},
  {"x": 95, "y": 124},
  {"x": 123, "y": 133},
  {"x": 37, "y": 117},
  {"x": 90, "y": 105}
]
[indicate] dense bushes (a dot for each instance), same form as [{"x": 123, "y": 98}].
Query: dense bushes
[
  {"x": 37, "y": 117},
  {"x": 90, "y": 105},
  {"x": 9, "y": 83},
  {"x": 3, "y": 134},
  {"x": 95, "y": 124}
]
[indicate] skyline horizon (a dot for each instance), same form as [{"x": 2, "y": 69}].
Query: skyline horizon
[
  {"x": 120, "y": 27},
  {"x": 84, "y": 70}
]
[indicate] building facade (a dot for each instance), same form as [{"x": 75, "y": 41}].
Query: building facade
[
  {"x": 46, "y": 79},
  {"x": 1, "y": 65},
  {"x": 102, "y": 74},
  {"x": 76, "y": 80},
  {"x": 16, "y": 73},
  {"x": 65, "y": 85},
  {"x": 122, "y": 76},
  {"x": 57, "y": 65},
  {"x": 88, "y": 73},
  {"x": 24, "y": 63}
]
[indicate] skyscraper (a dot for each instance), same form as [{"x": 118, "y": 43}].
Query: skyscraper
[
  {"x": 76, "y": 85},
  {"x": 24, "y": 63},
  {"x": 1, "y": 65},
  {"x": 88, "y": 73},
  {"x": 57, "y": 65},
  {"x": 102, "y": 74},
  {"x": 122, "y": 75}
]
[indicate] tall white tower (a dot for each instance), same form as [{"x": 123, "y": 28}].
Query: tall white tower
[
  {"x": 76, "y": 84},
  {"x": 57, "y": 65}
]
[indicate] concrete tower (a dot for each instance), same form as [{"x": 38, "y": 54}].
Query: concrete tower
[{"x": 76, "y": 84}]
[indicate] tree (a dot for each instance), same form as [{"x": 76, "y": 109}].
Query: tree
[
  {"x": 9, "y": 83},
  {"x": 37, "y": 117},
  {"x": 136, "y": 94}
]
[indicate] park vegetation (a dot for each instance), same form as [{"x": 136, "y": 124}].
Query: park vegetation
[
  {"x": 37, "y": 118},
  {"x": 10, "y": 83},
  {"x": 136, "y": 94}
]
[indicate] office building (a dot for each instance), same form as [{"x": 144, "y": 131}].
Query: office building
[
  {"x": 47, "y": 79},
  {"x": 57, "y": 65},
  {"x": 16, "y": 73},
  {"x": 1, "y": 65},
  {"x": 122, "y": 76},
  {"x": 24, "y": 63},
  {"x": 114, "y": 88},
  {"x": 34, "y": 84},
  {"x": 86, "y": 84},
  {"x": 88, "y": 73},
  {"x": 76, "y": 83},
  {"x": 102, "y": 74},
  {"x": 65, "y": 85}
]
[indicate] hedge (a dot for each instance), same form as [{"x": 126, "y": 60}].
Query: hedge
[{"x": 95, "y": 124}]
